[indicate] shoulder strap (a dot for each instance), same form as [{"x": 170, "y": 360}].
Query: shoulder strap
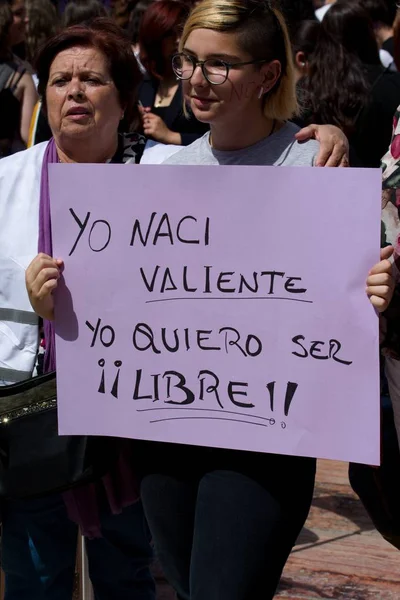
[
  {"x": 15, "y": 80},
  {"x": 6, "y": 72}
]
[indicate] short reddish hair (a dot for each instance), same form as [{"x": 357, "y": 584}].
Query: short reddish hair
[
  {"x": 161, "y": 20},
  {"x": 104, "y": 35}
]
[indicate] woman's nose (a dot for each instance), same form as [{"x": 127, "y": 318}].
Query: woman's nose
[
  {"x": 198, "y": 77},
  {"x": 76, "y": 90}
]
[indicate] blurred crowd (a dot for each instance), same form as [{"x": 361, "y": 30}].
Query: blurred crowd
[
  {"x": 153, "y": 29},
  {"x": 346, "y": 55}
]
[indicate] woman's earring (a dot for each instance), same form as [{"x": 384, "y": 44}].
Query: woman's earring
[{"x": 261, "y": 93}]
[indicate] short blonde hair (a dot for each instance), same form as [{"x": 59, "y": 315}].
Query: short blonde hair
[{"x": 262, "y": 33}]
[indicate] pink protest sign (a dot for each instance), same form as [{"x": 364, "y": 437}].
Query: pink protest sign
[{"x": 220, "y": 306}]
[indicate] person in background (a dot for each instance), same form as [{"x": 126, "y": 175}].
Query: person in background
[
  {"x": 349, "y": 25},
  {"x": 42, "y": 24},
  {"x": 135, "y": 21},
  {"x": 331, "y": 85},
  {"x": 160, "y": 94},
  {"x": 296, "y": 11},
  {"x": 18, "y": 30},
  {"x": 385, "y": 56},
  {"x": 83, "y": 11},
  {"x": 390, "y": 321},
  {"x": 88, "y": 80},
  {"x": 18, "y": 94},
  {"x": 396, "y": 39},
  {"x": 382, "y": 14},
  {"x": 120, "y": 11}
]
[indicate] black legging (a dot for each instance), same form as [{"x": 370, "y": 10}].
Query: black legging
[{"x": 224, "y": 522}]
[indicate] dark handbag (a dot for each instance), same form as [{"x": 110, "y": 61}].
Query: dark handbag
[
  {"x": 34, "y": 459},
  {"x": 379, "y": 487}
]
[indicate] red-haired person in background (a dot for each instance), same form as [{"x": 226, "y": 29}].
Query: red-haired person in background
[{"x": 160, "y": 95}]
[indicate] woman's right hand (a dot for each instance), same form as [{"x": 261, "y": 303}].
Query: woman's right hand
[{"x": 41, "y": 280}]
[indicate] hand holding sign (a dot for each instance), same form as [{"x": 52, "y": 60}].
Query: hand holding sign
[
  {"x": 41, "y": 278},
  {"x": 380, "y": 282}
]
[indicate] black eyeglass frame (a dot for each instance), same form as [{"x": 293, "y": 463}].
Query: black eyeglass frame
[{"x": 201, "y": 63}]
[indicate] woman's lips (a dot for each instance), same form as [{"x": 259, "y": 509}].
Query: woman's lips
[
  {"x": 202, "y": 102},
  {"x": 78, "y": 113}
]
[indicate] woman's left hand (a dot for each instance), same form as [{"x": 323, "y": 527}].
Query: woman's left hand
[
  {"x": 155, "y": 128},
  {"x": 380, "y": 282},
  {"x": 334, "y": 151}
]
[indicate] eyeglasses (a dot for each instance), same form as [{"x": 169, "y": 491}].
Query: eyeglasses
[{"x": 215, "y": 70}]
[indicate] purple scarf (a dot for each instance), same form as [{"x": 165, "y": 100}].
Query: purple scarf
[
  {"x": 46, "y": 245},
  {"x": 120, "y": 485}
]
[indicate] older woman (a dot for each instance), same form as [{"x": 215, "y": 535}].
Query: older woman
[{"x": 87, "y": 78}]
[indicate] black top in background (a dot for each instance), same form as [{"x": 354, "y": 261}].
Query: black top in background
[{"x": 172, "y": 115}]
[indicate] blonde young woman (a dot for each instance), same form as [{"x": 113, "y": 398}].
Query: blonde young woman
[{"x": 224, "y": 521}]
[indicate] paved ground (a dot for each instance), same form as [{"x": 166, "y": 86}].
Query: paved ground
[{"x": 339, "y": 554}]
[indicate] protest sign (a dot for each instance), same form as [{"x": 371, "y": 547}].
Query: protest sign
[{"x": 219, "y": 306}]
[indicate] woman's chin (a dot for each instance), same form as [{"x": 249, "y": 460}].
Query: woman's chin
[
  {"x": 203, "y": 115},
  {"x": 77, "y": 130}
]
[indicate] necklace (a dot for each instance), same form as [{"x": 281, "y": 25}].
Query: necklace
[
  {"x": 165, "y": 95},
  {"x": 160, "y": 100}
]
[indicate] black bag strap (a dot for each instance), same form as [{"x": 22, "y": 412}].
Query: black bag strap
[{"x": 32, "y": 391}]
